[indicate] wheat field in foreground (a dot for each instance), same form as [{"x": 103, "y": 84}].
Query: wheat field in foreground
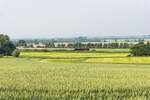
[{"x": 30, "y": 79}]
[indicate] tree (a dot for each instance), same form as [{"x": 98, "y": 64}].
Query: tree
[
  {"x": 6, "y": 46},
  {"x": 140, "y": 49},
  {"x": 126, "y": 45},
  {"x": 105, "y": 45},
  {"x": 50, "y": 45},
  {"x": 99, "y": 45},
  {"x": 22, "y": 43},
  {"x": 62, "y": 45},
  {"x": 70, "y": 45},
  {"x": 121, "y": 45}
]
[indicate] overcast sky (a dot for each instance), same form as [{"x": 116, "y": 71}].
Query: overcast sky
[{"x": 72, "y": 18}]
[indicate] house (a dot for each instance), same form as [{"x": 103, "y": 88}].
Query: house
[{"x": 40, "y": 45}]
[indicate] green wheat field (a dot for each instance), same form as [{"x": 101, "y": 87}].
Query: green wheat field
[{"x": 74, "y": 76}]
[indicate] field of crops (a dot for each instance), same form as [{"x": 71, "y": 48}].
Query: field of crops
[
  {"x": 123, "y": 60},
  {"x": 130, "y": 60},
  {"x": 63, "y": 60},
  {"x": 30, "y": 79},
  {"x": 86, "y": 57},
  {"x": 69, "y": 75},
  {"x": 70, "y": 54}
]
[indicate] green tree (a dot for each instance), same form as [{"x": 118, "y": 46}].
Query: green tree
[
  {"x": 99, "y": 45},
  {"x": 140, "y": 49},
  {"x": 105, "y": 45},
  {"x": 6, "y": 46},
  {"x": 121, "y": 45},
  {"x": 126, "y": 45},
  {"x": 22, "y": 43},
  {"x": 50, "y": 45},
  {"x": 70, "y": 45}
]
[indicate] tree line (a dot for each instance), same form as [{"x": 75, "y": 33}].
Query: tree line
[
  {"x": 89, "y": 45},
  {"x": 76, "y": 45}
]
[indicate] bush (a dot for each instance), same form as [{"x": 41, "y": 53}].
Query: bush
[{"x": 16, "y": 53}]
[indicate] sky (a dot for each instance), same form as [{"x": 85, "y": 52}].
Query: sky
[{"x": 73, "y": 18}]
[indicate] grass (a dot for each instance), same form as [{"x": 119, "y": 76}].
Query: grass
[{"x": 30, "y": 79}]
